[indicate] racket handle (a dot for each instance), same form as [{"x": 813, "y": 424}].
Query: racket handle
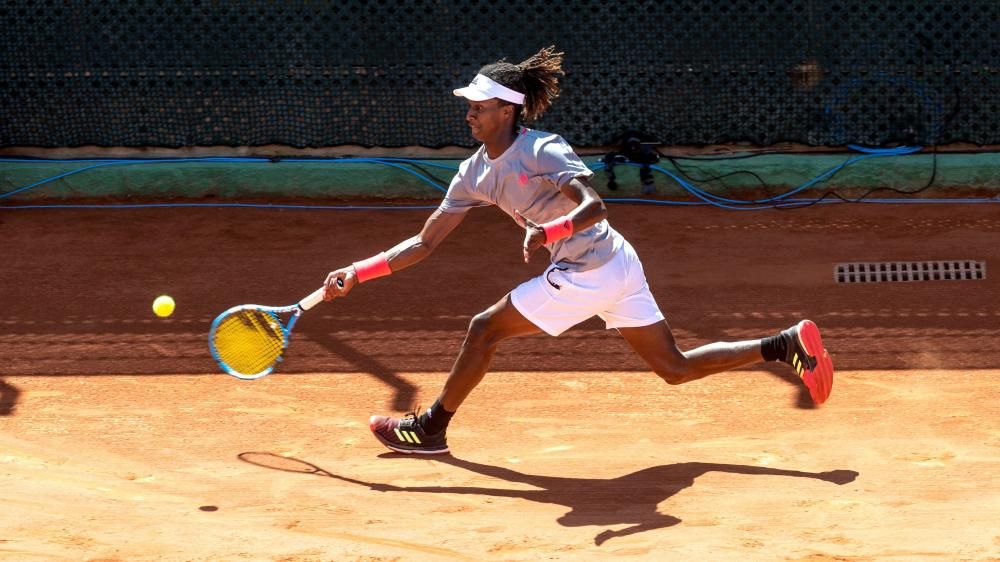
[
  {"x": 313, "y": 299},
  {"x": 316, "y": 297}
]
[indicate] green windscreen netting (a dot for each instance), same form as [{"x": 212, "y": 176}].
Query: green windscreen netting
[{"x": 380, "y": 73}]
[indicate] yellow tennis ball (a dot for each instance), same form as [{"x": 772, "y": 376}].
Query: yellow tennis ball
[{"x": 163, "y": 306}]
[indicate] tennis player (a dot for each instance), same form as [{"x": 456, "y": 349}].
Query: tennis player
[{"x": 537, "y": 179}]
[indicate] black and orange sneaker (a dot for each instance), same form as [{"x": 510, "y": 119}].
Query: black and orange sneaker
[
  {"x": 810, "y": 359},
  {"x": 406, "y": 436}
]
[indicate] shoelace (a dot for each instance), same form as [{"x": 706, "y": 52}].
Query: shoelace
[{"x": 411, "y": 419}]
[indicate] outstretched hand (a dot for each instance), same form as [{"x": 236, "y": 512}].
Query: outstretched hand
[
  {"x": 340, "y": 282},
  {"x": 534, "y": 236}
]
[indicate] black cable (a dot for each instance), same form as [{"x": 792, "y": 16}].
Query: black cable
[
  {"x": 710, "y": 158},
  {"x": 930, "y": 182},
  {"x": 713, "y": 178},
  {"x": 442, "y": 183},
  {"x": 764, "y": 186}
]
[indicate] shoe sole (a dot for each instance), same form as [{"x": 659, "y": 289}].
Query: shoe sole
[
  {"x": 397, "y": 449},
  {"x": 819, "y": 380}
]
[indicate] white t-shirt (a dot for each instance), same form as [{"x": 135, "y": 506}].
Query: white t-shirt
[{"x": 527, "y": 178}]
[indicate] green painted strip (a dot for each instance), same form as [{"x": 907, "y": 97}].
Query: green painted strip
[{"x": 297, "y": 179}]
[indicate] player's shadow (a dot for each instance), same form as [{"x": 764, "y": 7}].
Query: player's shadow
[
  {"x": 8, "y": 398},
  {"x": 781, "y": 371},
  {"x": 631, "y": 499},
  {"x": 405, "y": 392}
]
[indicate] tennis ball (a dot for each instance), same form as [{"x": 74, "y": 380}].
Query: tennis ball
[{"x": 163, "y": 306}]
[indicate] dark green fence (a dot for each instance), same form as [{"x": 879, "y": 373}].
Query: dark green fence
[{"x": 380, "y": 73}]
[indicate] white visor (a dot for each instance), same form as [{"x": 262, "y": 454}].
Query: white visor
[{"x": 482, "y": 89}]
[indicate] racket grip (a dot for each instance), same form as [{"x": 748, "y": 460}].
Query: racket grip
[{"x": 315, "y": 297}]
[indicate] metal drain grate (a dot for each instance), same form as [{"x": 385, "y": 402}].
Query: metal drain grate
[{"x": 903, "y": 271}]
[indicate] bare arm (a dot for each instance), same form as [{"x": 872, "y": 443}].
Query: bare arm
[
  {"x": 413, "y": 250},
  {"x": 408, "y": 252},
  {"x": 589, "y": 211}
]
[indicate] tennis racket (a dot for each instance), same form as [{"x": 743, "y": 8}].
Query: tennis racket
[{"x": 248, "y": 340}]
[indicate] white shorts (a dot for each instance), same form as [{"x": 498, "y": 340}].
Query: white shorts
[{"x": 617, "y": 292}]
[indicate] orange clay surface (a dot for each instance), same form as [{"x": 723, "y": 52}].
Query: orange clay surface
[{"x": 120, "y": 440}]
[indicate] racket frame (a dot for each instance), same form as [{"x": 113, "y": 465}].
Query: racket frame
[{"x": 295, "y": 310}]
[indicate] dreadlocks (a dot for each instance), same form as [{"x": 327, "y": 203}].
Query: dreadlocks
[{"x": 537, "y": 78}]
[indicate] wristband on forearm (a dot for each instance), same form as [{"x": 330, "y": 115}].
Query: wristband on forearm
[
  {"x": 375, "y": 266},
  {"x": 557, "y": 229}
]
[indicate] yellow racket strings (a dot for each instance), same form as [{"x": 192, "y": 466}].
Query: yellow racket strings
[{"x": 249, "y": 341}]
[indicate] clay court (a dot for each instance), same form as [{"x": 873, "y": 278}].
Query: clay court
[{"x": 122, "y": 441}]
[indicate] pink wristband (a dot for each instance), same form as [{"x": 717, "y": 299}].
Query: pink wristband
[
  {"x": 558, "y": 229},
  {"x": 375, "y": 266}
]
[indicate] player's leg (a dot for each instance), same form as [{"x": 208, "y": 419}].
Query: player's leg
[
  {"x": 487, "y": 329},
  {"x": 425, "y": 434},
  {"x": 800, "y": 346},
  {"x": 656, "y": 345},
  {"x": 638, "y": 318}
]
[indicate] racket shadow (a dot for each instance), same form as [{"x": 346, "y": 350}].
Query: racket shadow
[{"x": 282, "y": 463}]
